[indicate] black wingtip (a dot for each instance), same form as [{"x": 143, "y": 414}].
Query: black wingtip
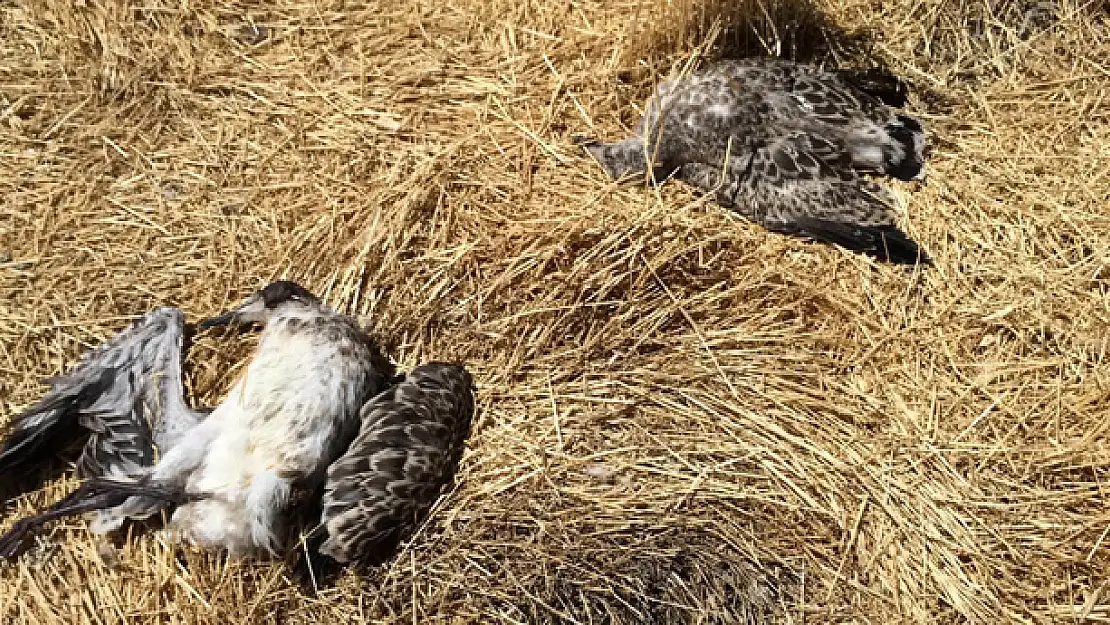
[
  {"x": 879, "y": 84},
  {"x": 892, "y": 245},
  {"x": 886, "y": 243},
  {"x": 38, "y": 444}
]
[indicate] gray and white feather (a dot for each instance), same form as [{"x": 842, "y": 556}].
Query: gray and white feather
[
  {"x": 784, "y": 145},
  {"x": 125, "y": 399}
]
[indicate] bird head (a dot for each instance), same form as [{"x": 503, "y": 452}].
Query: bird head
[{"x": 260, "y": 306}]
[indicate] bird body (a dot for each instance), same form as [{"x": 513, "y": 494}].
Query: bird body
[
  {"x": 282, "y": 437},
  {"x": 784, "y": 145},
  {"x": 284, "y": 421}
]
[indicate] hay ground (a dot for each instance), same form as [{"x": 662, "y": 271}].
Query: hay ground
[{"x": 683, "y": 417}]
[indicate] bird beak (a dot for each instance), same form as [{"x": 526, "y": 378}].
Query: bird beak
[
  {"x": 225, "y": 319},
  {"x": 251, "y": 311}
]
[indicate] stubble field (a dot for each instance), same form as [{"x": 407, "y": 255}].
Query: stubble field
[{"x": 683, "y": 417}]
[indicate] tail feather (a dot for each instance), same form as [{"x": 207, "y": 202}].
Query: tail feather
[
  {"x": 883, "y": 242},
  {"x": 879, "y": 84}
]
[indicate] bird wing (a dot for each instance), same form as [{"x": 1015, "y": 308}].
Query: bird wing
[
  {"x": 126, "y": 397},
  {"x": 829, "y": 94},
  {"x": 408, "y": 449},
  {"x": 804, "y": 184}
]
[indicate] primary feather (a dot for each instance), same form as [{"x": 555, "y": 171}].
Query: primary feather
[{"x": 122, "y": 402}]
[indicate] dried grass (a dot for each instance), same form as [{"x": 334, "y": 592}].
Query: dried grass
[{"x": 684, "y": 418}]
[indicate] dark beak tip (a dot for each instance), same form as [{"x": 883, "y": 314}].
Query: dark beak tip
[{"x": 218, "y": 321}]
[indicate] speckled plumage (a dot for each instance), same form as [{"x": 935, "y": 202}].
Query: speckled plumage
[
  {"x": 408, "y": 449},
  {"x": 785, "y": 146}
]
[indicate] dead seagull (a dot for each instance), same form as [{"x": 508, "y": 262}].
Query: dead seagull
[
  {"x": 282, "y": 437},
  {"x": 784, "y": 145}
]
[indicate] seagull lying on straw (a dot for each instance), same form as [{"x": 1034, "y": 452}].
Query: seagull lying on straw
[
  {"x": 312, "y": 424},
  {"x": 784, "y": 145}
]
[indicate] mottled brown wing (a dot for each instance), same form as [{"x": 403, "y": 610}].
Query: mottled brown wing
[
  {"x": 846, "y": 87},
  {"x": 804, "y": 185},
  {"x": 408, "y": 449}
]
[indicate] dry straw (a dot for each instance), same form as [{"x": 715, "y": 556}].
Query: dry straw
[{"x": 683, "y": 417}]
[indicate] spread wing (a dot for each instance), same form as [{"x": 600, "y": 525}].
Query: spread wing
[
  {"x": 408, "y": 449},
  {"x": 125, "y": 399},
  {"x": 805, "y": 185}
]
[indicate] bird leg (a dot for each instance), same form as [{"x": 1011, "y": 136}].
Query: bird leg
[
  {"x": 94, "y": 494},
  {"x": 143, "y": 487},
  {"x": 12, "y": 541}
]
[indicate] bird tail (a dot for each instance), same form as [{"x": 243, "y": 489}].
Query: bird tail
[
  {"x": 879, "y": 84},
  {"x": 883, "y": 242}
]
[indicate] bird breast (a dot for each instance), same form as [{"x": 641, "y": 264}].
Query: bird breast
[{"x": 296, "y": 404}]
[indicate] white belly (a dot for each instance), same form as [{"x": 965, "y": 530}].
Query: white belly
[{"x": 282, "y": 424}]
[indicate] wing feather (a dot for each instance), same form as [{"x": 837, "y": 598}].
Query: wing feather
[
  {"x": 408, "y": 449},
  {"x": 125, "y": 398},
  {"x": 804, "y": 185}
]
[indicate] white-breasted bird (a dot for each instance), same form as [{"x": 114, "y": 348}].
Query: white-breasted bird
[{"x": 286, "y": 428}]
